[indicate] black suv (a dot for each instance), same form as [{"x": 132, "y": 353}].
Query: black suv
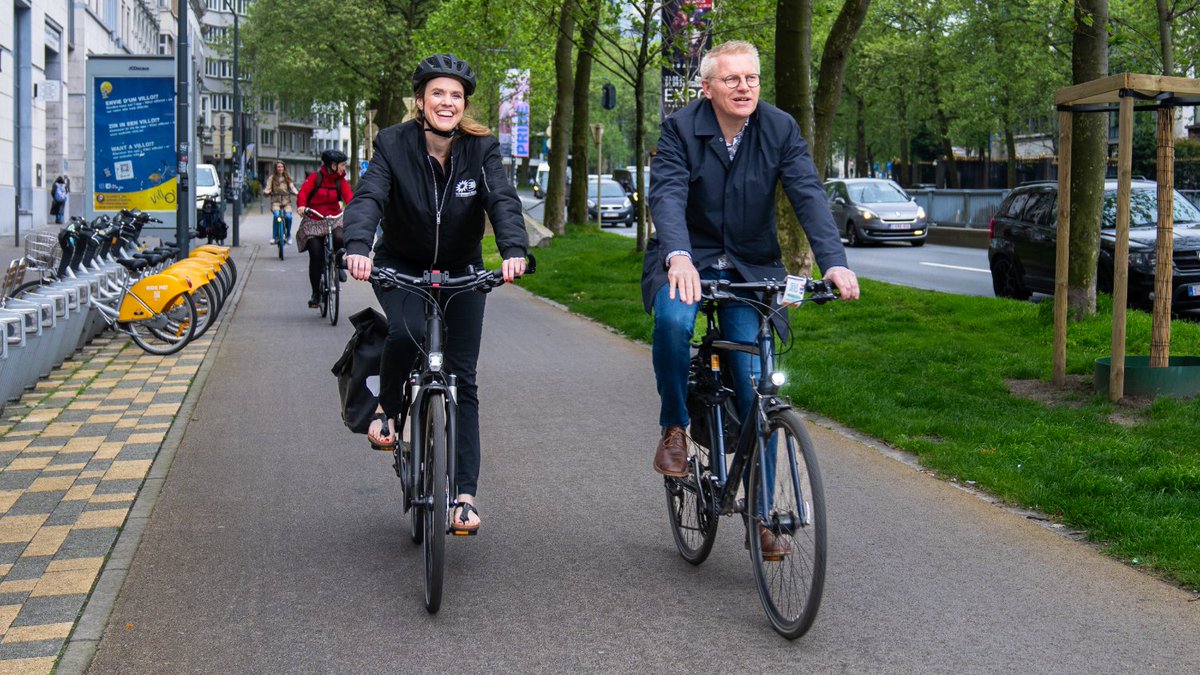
[{"x": 1024, "y": 231}]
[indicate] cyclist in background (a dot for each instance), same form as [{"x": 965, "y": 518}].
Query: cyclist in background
[
  {"x": 279, "y": 189},
  {"x": 715, "y": 219},
  {"x": 324, "y": 191},
  {"x": 432, "y": 179}
]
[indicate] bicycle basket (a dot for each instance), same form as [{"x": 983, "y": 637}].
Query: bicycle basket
[{"x": 42, "y": 251}]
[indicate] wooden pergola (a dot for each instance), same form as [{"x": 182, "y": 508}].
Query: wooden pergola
[{"x": 1123, "y": 93}]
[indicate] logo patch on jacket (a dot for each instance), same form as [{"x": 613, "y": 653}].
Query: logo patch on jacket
[{"x": 465, "y": 188}]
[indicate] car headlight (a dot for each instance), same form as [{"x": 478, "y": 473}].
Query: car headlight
[
  {"x": 1142, "y": 259},
  {"x": 920, "y": 212},
  {"x": 868, "y": 214},
  {"x": 626, "y": 204},
  {"x": 591, "y": 204}
]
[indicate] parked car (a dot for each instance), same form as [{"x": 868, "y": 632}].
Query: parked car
[
  {"x": 208, "y": 184},
  {"x": 872, "y": 210},
  {"x": 615, "y": 206},
  {"x": 1024, "y": 234}
]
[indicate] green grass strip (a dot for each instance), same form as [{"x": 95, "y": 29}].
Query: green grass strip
[{"x": 929, "y": 373}]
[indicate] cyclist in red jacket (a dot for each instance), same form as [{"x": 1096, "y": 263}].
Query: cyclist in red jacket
[{"x": 324, "y": 191}]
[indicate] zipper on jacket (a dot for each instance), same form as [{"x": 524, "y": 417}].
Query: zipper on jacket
[{"x": 437, "y": 232}]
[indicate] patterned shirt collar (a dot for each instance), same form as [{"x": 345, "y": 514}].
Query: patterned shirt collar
[{"x": 732, "y": 146}]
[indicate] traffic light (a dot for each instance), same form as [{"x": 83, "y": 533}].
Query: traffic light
[{"x": 608, "y": 96}]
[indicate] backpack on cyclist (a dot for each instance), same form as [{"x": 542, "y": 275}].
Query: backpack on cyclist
[{"x": 358, "y": 364}]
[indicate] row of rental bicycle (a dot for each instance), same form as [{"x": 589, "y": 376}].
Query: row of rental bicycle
[{"x": 91, "y": 276}]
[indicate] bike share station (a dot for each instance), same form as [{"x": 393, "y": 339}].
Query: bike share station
[
  {"x": 86, "y": 280},
  {"x": 1118, "y": 375}
]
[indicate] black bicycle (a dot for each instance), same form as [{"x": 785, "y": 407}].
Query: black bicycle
[
  {"x": 329, "y": 289},
  {"x": 426, "y": 464},
  {"x": 771, "y": 455}
]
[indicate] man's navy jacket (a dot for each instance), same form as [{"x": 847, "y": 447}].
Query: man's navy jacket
[{"x": 707, "y": 205}]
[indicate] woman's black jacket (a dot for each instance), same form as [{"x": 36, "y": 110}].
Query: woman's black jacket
[{"x": 433, "y": 219}]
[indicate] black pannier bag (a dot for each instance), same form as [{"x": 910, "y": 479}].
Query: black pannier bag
[{"x": 358, "y": 364}]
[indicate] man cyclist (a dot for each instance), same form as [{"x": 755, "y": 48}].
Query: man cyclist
[{"x": 712, "y": 198}]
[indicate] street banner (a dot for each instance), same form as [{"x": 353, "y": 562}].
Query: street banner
[
  {"x": 687, "y": 36},
  {"x": 131, "y": 133},
  {"x": 514, "y": 113}
]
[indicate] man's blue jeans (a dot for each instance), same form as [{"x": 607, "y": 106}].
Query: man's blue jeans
[{"x": 674, "y": 322}]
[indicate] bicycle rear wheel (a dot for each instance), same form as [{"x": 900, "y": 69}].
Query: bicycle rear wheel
[
  {"x": 332, "y": 289},
  {"x": 168, "y": 332},
  {"x": 435, "y": 490},
  {"x": 280, "y": 239},
  {"x": 792, "y": 507},
  {"x": 693, "y": 522}
]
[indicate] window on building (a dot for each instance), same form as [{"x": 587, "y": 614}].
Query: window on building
[
  {"x": 267, "y": 136},
  {"x": 267, "y": 104},
  {"x": 166, "y": 45}
]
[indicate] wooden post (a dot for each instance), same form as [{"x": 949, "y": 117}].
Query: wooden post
[
  {"x": 1062, "y": 247},
  {"x": 1116, "y": 378},
  {"x": 1160, "y": 339}
]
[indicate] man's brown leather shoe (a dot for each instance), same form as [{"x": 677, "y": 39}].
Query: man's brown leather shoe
[
  {"x": 773, "y": 548},
  {"x": 670, "y": 459}
]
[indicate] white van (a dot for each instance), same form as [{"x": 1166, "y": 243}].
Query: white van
[
  {"x": 543, "y": 177},
  {"x": 208, "y": 184}
]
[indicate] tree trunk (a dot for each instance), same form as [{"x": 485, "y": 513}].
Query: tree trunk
[
  {"x": 581, "y": 134},
  {"x": 793, "y": 60},
  {"x": 943, "y": 124},
  {"x": 560, "y": 126},
  {"x": 1165, "y": 40},
  {"x": 1089, "y": 154},
  {"x": 833, "y": 72},
  {"x": 355, "y": 168},
  {"x": 860, "y": 133},
  {"x": 639, "y": 97}
]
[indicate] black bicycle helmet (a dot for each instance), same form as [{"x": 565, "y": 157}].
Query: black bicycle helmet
[
  {"x": 444, "y": 65},
  {"x": 331, "y": 157}
]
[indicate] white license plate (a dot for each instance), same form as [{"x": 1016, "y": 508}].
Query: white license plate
[
  {"x": 1193, "y": 290},
  {"x": 900, "y": 226}
]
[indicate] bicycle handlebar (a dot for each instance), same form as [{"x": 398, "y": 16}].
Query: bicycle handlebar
[
  {"x": 309, "y": 209},
  {"x": 819, "y": 291},
  {"x": 484, "y": 280}
]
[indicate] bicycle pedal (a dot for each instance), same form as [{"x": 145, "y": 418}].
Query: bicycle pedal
[{"x": 463, "y": 533}]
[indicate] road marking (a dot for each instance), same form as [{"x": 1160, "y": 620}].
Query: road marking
[{"x": 957, "y": 267}]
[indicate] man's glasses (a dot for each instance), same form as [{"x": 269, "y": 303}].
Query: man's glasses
[{"x": 734, "y": 80}]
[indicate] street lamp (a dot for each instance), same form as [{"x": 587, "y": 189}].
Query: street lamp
[{"x": 240, "y": 166}]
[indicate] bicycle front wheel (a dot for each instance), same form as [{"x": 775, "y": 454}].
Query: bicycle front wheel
[
  {"x": 435, "y": 490},
  {"x": 167, "y": 332},
  {"x": 785, "y": 503},
  {"x": 332, "y": 289}
]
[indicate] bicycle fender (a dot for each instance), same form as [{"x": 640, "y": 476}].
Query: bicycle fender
[
  {"x": 202, "y": 270},
  {"x": 222, "y": 251},
  {"x": 152, "y": 295}
]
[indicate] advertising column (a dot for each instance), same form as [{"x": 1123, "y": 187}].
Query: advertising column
[
  {"x": 131, "y": 133},
  {"x": 688, "y": 35}
]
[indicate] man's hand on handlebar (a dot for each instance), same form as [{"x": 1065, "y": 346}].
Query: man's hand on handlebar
[
  {"x": 683, "y": 278},
  {"x": 359, "y": 267},
  {"x": 845, "y": 280}
]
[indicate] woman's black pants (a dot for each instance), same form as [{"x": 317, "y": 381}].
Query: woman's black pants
[
  {"x": 463, "y": 314},
  {"x": 316, "y": 258}
]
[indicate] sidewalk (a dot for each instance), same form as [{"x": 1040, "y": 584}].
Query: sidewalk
[{"x": 74, "y": 455}]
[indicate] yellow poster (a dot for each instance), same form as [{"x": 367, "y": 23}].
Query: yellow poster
[{"x": 161, "y": 197}]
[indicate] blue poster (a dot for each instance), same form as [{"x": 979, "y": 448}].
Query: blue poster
[{"x": 134, "y": 144}]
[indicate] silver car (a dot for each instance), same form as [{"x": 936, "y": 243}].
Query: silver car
[{"x": 872, "y": 210}]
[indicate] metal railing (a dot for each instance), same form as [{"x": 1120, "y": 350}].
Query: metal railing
[{"x": 959, "y": 208}]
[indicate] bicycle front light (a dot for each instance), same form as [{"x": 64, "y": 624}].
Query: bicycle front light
[
  {"x": 435, "y": 362},
  {"x": 778, "y": 378}
]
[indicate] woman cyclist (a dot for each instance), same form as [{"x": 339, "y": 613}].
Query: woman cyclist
[
  {"x": 323, "y": 191},
  {"x": 432, "y": 179},
  {"x": 279, "y": 189}
]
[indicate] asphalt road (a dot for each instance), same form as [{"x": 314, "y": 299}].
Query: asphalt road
[{"x": 278, "y": 545}]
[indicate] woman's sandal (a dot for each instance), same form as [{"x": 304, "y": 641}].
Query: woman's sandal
[
  {"x": 460, "y": 523},
  {"x": 385, "y": 431}
]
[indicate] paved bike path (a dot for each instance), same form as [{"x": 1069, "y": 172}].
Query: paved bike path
[{"x": 277, "y": 543}]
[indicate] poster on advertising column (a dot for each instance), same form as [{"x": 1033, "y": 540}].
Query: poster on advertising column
[
  {"x": 514, "y": 113},
  {"x": 131, "y": 134},
  {"x": 687, "y": 25}
]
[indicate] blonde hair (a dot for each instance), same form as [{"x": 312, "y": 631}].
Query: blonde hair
[
  {"x": 709, "y": 63},
  {"x": 467, "y": 124}
]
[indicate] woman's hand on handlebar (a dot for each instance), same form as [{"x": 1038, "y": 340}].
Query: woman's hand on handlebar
[
  {"x": 511, "y": 269},
  {"x": 359, "y": 267}
]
